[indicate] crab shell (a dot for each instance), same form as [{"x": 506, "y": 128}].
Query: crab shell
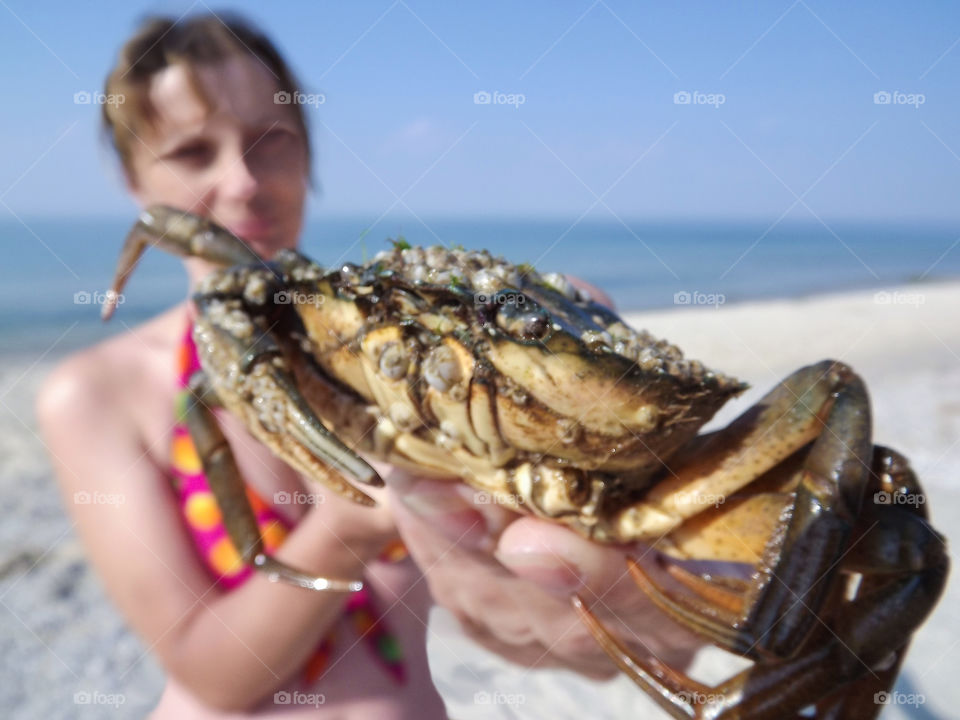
[{"x": 467, "y": 377}]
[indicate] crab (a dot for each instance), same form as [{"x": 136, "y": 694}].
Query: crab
[{"x": 455, "y": 363}]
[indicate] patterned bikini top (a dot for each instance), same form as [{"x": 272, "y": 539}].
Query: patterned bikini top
[{"x": 205, "y": 523}]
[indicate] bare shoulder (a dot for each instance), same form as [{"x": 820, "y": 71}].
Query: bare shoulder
[
  {"x": 104, "y": 385},
  {"x": 105, "y": 415}
]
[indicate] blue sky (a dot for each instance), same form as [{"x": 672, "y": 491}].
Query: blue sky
[{"x": 798, "y": 132}]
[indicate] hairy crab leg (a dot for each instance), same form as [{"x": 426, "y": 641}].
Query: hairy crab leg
[
  {"x": 228, "y": 488},
  {"x": 181, "y": 234}
]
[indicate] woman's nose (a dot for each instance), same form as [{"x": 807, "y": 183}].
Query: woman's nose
[{"x": 238, "y": 180}]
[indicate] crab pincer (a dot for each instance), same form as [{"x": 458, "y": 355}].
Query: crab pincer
[{"x": 254, "y": 380}]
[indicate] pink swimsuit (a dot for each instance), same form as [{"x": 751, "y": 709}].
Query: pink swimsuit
[{"x": 205, "y": 523}]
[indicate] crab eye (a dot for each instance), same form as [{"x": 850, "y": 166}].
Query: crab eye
[{"x": 521, "y": 317}]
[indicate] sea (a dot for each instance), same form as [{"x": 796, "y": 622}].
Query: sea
[{"x": 54, "y": 271}]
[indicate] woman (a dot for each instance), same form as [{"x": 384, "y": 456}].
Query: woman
[{"x": 199, "y": 130}]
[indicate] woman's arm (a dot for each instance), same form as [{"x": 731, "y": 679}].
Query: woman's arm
[{"x": 230, "y": 649}]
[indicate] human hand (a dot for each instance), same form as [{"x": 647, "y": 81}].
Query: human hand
[
  {"x": 366, "y": 531},
  {"x": 509, "y": 578}
]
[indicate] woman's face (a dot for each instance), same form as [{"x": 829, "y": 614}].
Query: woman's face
[{"x": 242, "y": 163}]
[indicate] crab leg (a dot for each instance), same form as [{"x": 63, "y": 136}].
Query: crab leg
[
  {"x": 798, "y": 565},
  {"x": 228, "y": 488},
  {"x": 837, "y": 666},
  {"x": 825, "y": 509},
  {"x": 253, "y": 382},
  {"x": 180, "y": 233},
  {"x": 782, "y": 422}
]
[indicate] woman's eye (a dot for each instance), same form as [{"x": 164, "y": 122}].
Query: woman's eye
[
  {"x": 194, "y": 153},
  {"x": 276, "y": 136}
]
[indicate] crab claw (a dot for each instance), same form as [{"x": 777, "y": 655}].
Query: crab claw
[
  {"x": 306, "y": 427},
  {"x": 251, "y": 379},
  {"x": 181, "y": 234}
]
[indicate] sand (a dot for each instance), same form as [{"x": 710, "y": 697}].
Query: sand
[{"x": 59, "y": 637}]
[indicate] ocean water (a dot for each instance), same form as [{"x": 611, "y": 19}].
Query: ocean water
[{"x": 54, "y": 271}]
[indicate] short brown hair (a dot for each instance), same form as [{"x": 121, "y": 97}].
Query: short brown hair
[{"x": 200, "y": 39}]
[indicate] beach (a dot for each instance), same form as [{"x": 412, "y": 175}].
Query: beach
[{"x": 61, "y": 643}]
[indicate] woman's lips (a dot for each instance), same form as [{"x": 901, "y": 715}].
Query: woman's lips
[{"x": 252, "y": 229}]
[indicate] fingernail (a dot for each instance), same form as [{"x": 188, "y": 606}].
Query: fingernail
[{"x": 550, "y": 571}]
